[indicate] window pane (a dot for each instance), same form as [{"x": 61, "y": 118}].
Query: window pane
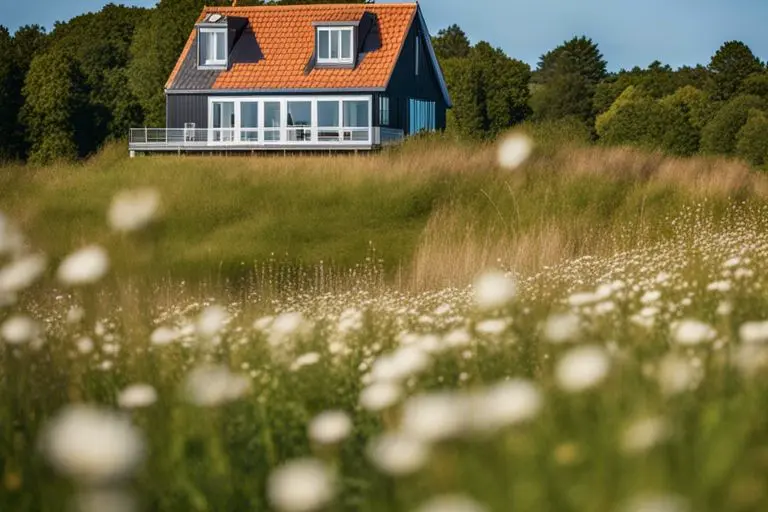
[
  {"x": 346, "y": 44},
  {"x": 335, "y": 44},
  {"x": 221, "y": 46},
  {"x": 204, "y": 47},
  {"x": 323, "y": 43},
  {"x": 328, "y": 114},
  {"x": 299, "y": 113},
  {"x": 271, "y": 114},
  {"x": 356, "y": 114},
  {"x": 249, "y": 114}
]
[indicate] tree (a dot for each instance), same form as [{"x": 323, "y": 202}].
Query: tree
[
  {"x": 55, "y": 108},
  {"x": 752, "y": 139},
  {"x": 8, "y": 92},
  {"x": 16, "y": 53},
  {"x": 489, "y": 91},
  {"x": 719, "y": 135},
  {"x": 451, "y": 43},
  {"x": 566, "y": 79},
  {"x": 729, "y": 67},
  {"x": 756, "y": 84},
  {"x": 100, "y": 45}
]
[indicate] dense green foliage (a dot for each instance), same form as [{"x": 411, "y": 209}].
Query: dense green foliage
[{"x": 109, "y": 69}]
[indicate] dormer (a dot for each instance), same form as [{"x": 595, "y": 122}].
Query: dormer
[
  {"x": 336, "y": 44},
  {"x": 216, "y": 35}
]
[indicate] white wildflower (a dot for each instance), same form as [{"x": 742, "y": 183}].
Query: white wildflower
[
  {"x": 494, "y": 290},
  {"x": 137, "y": 396},
  {"x": 397, "y": 454},
  {"x": 582, "y": 368},
  {"x": 492, "y": 327},
  {"x": 650, "y": 297},
  {"x": 656, "y": 503},
  {"x": 506, "y": 404},
  {"x": 131, "y": 210},
  {"x": 84, "y": 345},
  {"x": 301, "y": 485},
  {"x": 75, "y": 315},
  {"x": 644, "y": 434},
  {"x": 86, "y": 266},
  {"x": 434, "y": 417},
  {"x": 562, "y": 327},
  {"x": 330, "y": 427},
  {"x": 92, "y": 445},
  {"x": 514, "y": 150},
  {"x": 209, "y": 386},
  {"x": 451, "y": 503},
  {"x": 286, "y": 326},
  {"x": 19, "y": 329},
  {"x": 692, "y": 332},
  {"x": 676, "y": 375},
  {"x": 211, "y": 321},
  {"x": 164, "y": 336},
  {"x": 754, "y": 332},
  {"x": 21, "y": 273},
  {"x": 308, "y": 359},
  {"x": 379, "y": 396},
  {"x": 405, "y": 362}
]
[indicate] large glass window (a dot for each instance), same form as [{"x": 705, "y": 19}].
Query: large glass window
[
  {"x": 272, "y": 123},
  {"x": 328, "y": 121},
  {"x": 299, "y": 115},
  {"x": 223, "y": 121},
  {"x": 213, "y": 47},
  {"x": 335, "y": 45},
  {"x": 249, "y": 121},
  {"x": 356, "y": 120}
]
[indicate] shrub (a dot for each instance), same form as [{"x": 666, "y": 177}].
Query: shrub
[
  {"x": 752, "y": 140},
  {"x": 719, "y": 135}
]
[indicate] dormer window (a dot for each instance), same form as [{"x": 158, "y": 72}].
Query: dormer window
[
  {"x": 213, "y": 47},
  {"x": 335, "y": 45}
]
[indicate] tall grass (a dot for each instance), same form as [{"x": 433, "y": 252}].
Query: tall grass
[{"x": 435, "y": 209}]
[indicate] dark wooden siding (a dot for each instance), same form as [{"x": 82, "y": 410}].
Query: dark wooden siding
[
  {"x": 186, "y": 108},
  {"x": 405, "y": 84}
]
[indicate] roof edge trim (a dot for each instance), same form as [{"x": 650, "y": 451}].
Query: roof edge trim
[
  {"x": 224, "y": 92},
  {"x": 433, "y": 57}
]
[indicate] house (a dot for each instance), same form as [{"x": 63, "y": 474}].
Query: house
[{"x": 318, "y": 77}]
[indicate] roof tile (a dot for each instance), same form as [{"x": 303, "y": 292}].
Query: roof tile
[{"x": 286, "y": 35}]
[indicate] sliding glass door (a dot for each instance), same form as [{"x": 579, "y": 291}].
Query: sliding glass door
[
  {"x": 291, "y": 120},
  {"x": 223, "y": 122}
]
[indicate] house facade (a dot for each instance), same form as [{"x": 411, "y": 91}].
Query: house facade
[{"x": 317, "y": 77}]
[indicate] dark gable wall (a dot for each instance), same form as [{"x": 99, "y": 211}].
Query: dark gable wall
[
  {"x": 405, "y": 84},
  {"x": 186, "y": 108}
]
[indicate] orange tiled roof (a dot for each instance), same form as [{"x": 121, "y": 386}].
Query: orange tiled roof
[{"x": 286, "y": 37}]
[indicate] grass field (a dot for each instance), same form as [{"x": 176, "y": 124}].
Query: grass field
[{"x": 610, "y": 355}]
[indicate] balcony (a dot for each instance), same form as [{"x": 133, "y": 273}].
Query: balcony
[{"x": 254, "y": 139}]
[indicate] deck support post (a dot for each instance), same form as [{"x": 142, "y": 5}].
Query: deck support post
[{"x": 132, "y": 154}]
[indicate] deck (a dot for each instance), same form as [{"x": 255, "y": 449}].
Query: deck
[{"x": 307, "y": 138}]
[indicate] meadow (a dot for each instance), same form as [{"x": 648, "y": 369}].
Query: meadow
[{"x": 423, "y": 329}]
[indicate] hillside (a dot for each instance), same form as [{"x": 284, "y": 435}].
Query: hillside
[{"x": 433, "y": 211}]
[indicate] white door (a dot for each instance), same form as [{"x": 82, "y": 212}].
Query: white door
[{"x": 223, "y": 122}]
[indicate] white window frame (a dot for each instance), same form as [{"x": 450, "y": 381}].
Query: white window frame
[
  {"x": 213, "y": 41},
  {"x": 345, "y": 132},
  {"x": 342, "y": 32}
]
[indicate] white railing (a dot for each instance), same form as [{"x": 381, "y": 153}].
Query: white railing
[{"x": 191, "y": 138}]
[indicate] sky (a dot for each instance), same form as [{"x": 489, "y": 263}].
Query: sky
[{"x": 629, "y": 32}]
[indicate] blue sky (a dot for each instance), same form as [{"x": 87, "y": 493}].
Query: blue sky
[{"x": 629, "y": 32}]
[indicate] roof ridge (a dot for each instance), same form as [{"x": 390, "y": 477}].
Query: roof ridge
[{"x": 306, "y": 6}]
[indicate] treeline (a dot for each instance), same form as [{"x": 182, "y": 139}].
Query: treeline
[
  {"x": 721, "y": 108},
  {"x": 65, "y": 93}
]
